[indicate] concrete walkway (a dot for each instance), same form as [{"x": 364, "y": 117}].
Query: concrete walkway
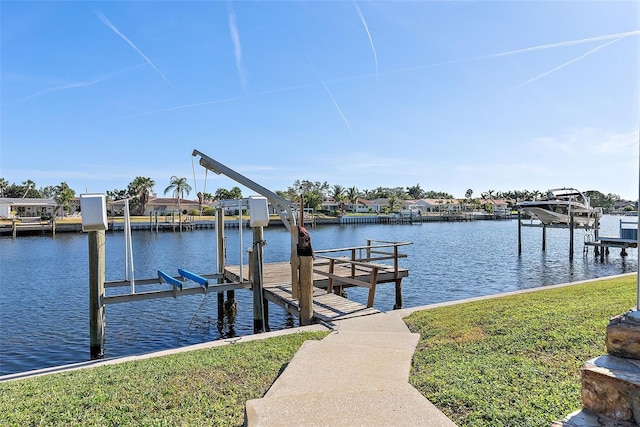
[{"x": 357, "y": 376}]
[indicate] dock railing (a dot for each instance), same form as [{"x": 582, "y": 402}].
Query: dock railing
[{"x": 361, "y": 258}]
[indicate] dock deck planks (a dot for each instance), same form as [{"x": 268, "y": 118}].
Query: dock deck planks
[{"x": 326, "y": 307}]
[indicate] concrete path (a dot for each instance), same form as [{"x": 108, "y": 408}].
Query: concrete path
[{"x": 357, "y": 376}]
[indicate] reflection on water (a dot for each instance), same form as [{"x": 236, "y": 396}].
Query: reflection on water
[{"x": 44, "y": 285}]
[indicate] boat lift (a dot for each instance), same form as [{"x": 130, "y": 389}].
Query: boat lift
[{"x": 95, "y": 223}]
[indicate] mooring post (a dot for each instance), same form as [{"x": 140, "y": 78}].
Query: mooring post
[
  {"x": 571, "y": 228},
  {"x": 96, "y": 293},
  {"x": 544, "y": 237},
  {"x": 256, "y": 285},
  {"x": 295, "y": 265},
  {"x": 94, "y": 221},
  {"x": 220, "y": 263},
  {"x": 397, "y": 278},
  {"x": 265, "y": 314},
  {"x": 306, "y": 290},
  {"x": 305, "y": 255},
  {"x": 519, "y": 233}
]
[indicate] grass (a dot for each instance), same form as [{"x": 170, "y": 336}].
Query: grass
[
  {"x": 515, "y": 361},
  {"x": 204, "y": 387},
  {"x": 510, "y": 361}
]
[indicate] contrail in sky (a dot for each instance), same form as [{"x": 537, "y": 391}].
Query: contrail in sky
[
  {"x": 64, "y": 87},
  {"x": 561, "y": 44},
  {"x": 76, "y": 85},
  {"x": 221, "y": 101},
  {"x": 366, "y": 27},
  {"x": 108, "y": 23},
  {"x": 517, "y": 51},
  {"x": 237, "y": 47},
  {"x": 531, "y": 80},
  {"x": 335, "y": 103},
  {"x": 346, "y": 122}
]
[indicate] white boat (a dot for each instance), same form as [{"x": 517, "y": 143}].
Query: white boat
[{"x": 560, "y": 205}]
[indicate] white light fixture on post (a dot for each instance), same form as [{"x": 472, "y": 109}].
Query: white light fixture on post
[
  {"x": 94, "y": 212},
  {"x": 94, "y": 221}
]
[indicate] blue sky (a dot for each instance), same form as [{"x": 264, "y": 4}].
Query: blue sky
[{"x": 495, "y": 95}]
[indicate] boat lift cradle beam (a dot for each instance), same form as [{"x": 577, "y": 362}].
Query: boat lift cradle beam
[
  {"x": 289, "y": 220},
  {"x": 218, "y": 168}
]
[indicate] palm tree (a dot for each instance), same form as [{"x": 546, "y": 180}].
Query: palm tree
[
  {"x": 353, "y": 194},
  {"x": 28, "y": 187},
  {"x": 4, "y": 184},
  {"x": 395, "y": 203},
  {"x": 415, "y": 192},
  {"x": 179, "y": 187},
  {"x": 337, "y": 192},
  {"x": 140, "y": 188},
  {"x": 63, "y": 195},
  {"x": 468, "y": 193}
]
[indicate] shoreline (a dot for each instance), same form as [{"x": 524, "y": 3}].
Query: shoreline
[
  {"x": 74, "y": 225},
  {"x": 403, "y": 313}
]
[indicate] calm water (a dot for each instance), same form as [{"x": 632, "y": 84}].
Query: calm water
[{"x": 44, "y": 315}]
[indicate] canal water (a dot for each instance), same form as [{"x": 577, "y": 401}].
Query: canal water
[{"x": 44, "y": 296}]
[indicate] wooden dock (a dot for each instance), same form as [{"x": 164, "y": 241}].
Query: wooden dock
[
  {"x": 628, "y": 232},
  {"x": 329, "y": 276}
]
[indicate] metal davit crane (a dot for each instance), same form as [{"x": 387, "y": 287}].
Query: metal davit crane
[{"x": 284, "y": 210}]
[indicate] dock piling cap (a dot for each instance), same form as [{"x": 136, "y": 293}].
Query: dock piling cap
[
  {"x": 94, "y": 212},
  {"x": 304, "y": 247}
]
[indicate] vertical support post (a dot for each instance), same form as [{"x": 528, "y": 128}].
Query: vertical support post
[
  {"x": 96, "y": 293},
  {"x": 398, "y": 304},
  {"x": 14, "y": 227},
  {"x": 372, "y": 289},
  {"x": 265, "y": 314},
  {"x": 220, "y": 261},
  {"x": 519, "y": 233},
  {"x": 398, "y": 279},
  {"x": 353, "y": 266},
  {"x": 332, "y": 263},
  {"x": 571, "y": 229},
  {"x": 544, "y": 237},
  {"x": 220, "y": 307},
  {"x": 295, "y": 265},
  {"x": 306, "y": 290},
  {"x": 256, "y": 285}
]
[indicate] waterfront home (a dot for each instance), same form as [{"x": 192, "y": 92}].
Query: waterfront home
[
  {"x": 360, "y": 206},
  {"x": 14, "y": 207},
  {"x": 166, "y": 206},
  {"x": 436, "y": 205},
  {"x": 498, "y": 206}
]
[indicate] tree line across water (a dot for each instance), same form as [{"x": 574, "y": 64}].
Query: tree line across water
[{"x": 315, "y": 193}]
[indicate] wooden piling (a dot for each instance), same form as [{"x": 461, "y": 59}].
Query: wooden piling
[
  {"x": 519, "y": 233},
  {"x": 96, "y": 293},
  {"x": 306, "y": 290},
  {"x": 220, "y": 263},
  {"x": 398, "y": 279},
  {"x": 398, "y": 304},
  {"x": 571, "y": 230},
  {"x": 256, "y": 284},
  {"x": 544, "y": 237}
]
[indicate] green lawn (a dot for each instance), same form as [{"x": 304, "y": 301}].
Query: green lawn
[
  {"x": 511, "y": 361},
  {"x": 203, "y": 387},
  {"x": 515, "y": 361}
]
